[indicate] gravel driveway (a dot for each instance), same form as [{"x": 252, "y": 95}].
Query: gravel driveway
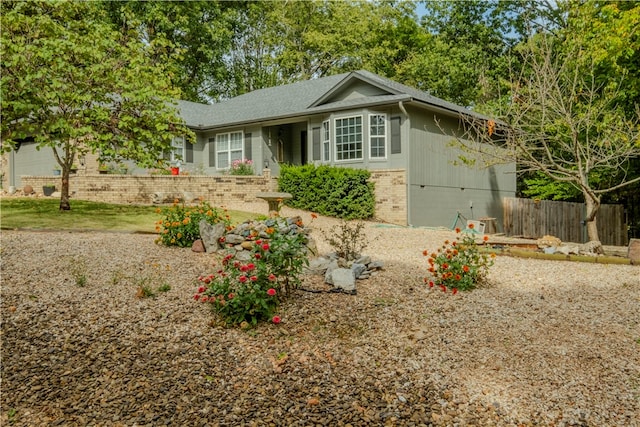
[{"x": 546, "y": 343}]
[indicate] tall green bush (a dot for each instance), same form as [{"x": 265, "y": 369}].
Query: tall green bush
[{"x": 328, "y": 190}]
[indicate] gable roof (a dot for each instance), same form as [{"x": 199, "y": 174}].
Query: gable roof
[{"x": 305, "y": 98}]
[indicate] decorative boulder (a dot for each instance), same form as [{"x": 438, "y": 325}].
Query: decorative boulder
[
  {"x": 211, "y": 234},
  {"x": 344, "y": 280}
]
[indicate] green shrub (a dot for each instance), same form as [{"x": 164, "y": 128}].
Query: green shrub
[
  {"x": 332, "y": 191},
  {"x": 180, "y": 223},
  {"x": 246, "y": 292},
  {"x": 458, "y": 264}
]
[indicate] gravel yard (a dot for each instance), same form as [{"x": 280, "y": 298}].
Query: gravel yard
[{"x": 545, "y": 343}]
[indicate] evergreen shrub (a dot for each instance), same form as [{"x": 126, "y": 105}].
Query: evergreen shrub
[{"x": 328, "y": 190}]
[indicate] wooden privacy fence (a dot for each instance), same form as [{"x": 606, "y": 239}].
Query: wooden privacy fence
[{"x": 564, "y": 220}]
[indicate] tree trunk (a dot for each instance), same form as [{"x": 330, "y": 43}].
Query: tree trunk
[
  {"x": 64, "y": 192},
  {"x": 593, "y": 205}
]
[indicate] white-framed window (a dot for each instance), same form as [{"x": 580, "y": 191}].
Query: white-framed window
[
  {"x": 177, "y": 153},
  {"x": 348, "y": 138},
  {"x": 377, "y": 136},
  {"x": 326, "y": 142},
  {"x": 228, "y": 148}
]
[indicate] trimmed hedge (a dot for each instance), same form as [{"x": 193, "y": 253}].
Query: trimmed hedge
[{"x": 328, "y": 190}]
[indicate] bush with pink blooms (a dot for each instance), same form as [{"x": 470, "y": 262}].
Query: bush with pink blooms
[{"x": 250, "y": 291}]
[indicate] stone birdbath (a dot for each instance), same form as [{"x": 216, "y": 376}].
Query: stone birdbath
[{"x": 274, "y": 199}]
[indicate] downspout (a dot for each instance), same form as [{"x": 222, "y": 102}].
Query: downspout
[{"x": 408, "y": 185}]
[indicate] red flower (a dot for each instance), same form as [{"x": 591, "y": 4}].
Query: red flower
[
  {"x": 196, "y": 297},
  {"x": 222, "y": 239},
  {"x": 253, "y": 278},
  {"x": 458, "y": 277},
  {"x": 444, "y": 288},
  {"x": 485, "y": 238},
  {"x": 251, "y": 266},
  {"x": 272, "y": 277},
  {"x": 271, "y": 292},
  {"x": 457, "y": 229},
  {"x": 455, "y": 291},
  {"x": 470, "y": 226},
  {"x": 207, "y": 280},
  {"x": 201, "y": 289},
  {"x": 244, "y": 268},
  {"x": 257, "y": 256},
  {"x": 465, "y": 268},
  {"x": 425, "y": 252},
  {"x": 454, "y": 243},
  {"x": 276, "y": 319},
  {"x": 431, "y": 284},
  {"x": 243, "y": 279},
  {"x": 204, "y": 298},
  {"x": 265, "y": 247},
  {"x": 445, "y": 266},
  {"x": 258, "y": 242}
]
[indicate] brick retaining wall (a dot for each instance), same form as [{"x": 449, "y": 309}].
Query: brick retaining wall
[{"x": 220, "y": 190}]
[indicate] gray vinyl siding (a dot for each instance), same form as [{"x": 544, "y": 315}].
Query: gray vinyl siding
[
  {"x": 29, "y": 161},
  {"x": 440, "y": 186}
]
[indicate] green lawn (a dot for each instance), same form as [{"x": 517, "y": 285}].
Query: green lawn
[{"x": 30, "y": 213}]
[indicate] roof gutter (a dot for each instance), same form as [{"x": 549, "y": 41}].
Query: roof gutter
[
  {"x": 401, "y": 106},
  {"x": 408, "y": 175}
]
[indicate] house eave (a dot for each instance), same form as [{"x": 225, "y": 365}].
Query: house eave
[{"x": 302, "y": 114}]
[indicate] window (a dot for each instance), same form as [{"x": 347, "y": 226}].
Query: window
[
  {"x": 177, "y": 150},
  {"x": 228, "y": 149},
  {"x": 349, "y": 138},
  {"x": 326, "y": 142},
  {"x": 377, "y": 136}
]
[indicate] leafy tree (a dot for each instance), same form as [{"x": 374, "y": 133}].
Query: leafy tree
[
  {"x": 465, "y": 52},
  {"x": 609, "y": 45},
  {"x": 564, "y": 123},
  {"x": 74, "y": 85},
  {"x": 192, "y": 38}
]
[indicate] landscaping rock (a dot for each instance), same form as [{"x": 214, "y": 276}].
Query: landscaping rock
[
  {"x": 344, "y": 280},
  {"x": 593, "y": 247},
  {"x": 548, "y": 241},
  {"x": 198, "y": 246},
  {"x": 358, "y": 269},
  {"x": 633, "y": 252},
  {"x": 210, "y": 235},
  {"x": 328, "y": 277}
]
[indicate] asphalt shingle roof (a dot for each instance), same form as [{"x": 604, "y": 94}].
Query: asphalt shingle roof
[{"x": 298, "y": 99}]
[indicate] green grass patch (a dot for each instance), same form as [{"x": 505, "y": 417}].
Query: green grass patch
[{"x": 44, "y": 214}]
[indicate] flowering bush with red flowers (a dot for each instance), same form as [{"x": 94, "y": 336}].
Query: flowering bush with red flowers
[
  {"x": 458, "y": 264},
  {"x": 250, "y": 291}
]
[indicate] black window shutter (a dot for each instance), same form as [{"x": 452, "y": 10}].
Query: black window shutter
[
  {"x": 247, "y": 146},
  {"x": 396, "y": 143},
  {"x": 189, "y": 150},
  {"x": 316, "y": 143},
  {"x": 212, "y": 152}
]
